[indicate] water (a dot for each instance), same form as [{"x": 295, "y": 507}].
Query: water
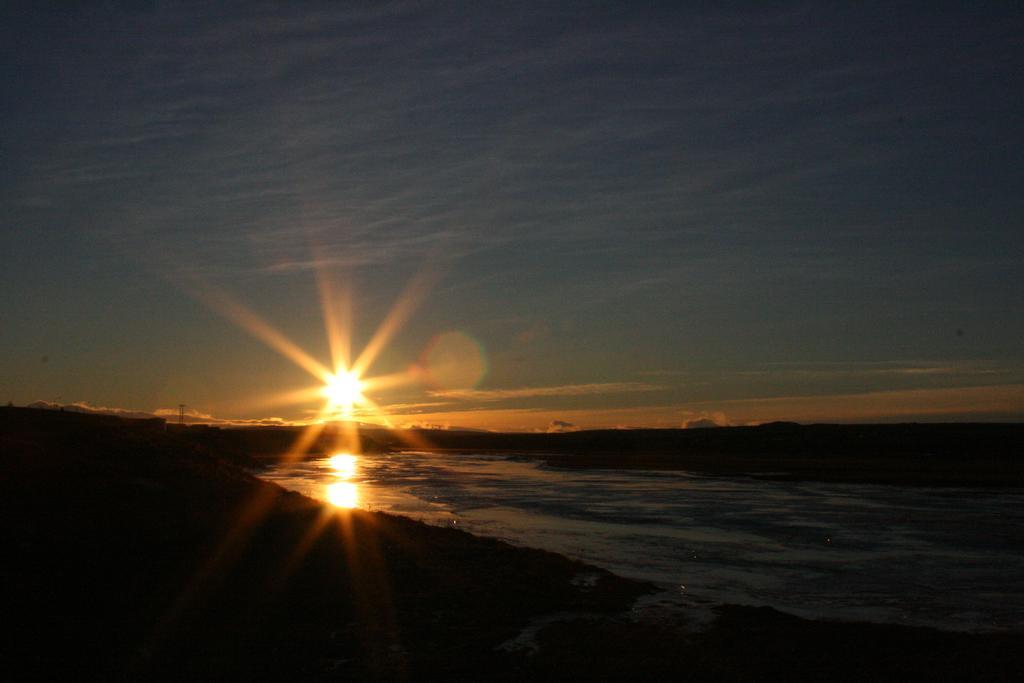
[{"x": 950, "y": 558}]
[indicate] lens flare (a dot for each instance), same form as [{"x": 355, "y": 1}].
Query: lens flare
[{"x": 453, "y": 360}]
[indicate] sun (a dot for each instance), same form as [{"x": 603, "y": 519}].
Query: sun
[
  {"x": 344, "y": 389},
  {"x": 342, "y": 385}
]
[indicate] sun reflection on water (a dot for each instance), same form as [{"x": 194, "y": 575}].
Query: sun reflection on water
[
  {"x": 342, "y": 492},
  {"x": 343, "y": 464}
]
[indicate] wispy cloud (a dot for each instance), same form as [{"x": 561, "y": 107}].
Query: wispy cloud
[
  {"x": 560, "y": 426},
  {"x": 983, "y": 403},
  {"x": 664, "y": 373},
  {"x": 301, "y": 135},
  {"x": 829, "y": 369},
  {"x": 1002, "y": 402},
  {"x": 412, "y": 407},
  {"x": 535, "y": 392}
]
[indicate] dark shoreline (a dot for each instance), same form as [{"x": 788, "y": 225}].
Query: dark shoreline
[
  {"x": 970, "y": 455},
  {"x": 137, "y": 553}
]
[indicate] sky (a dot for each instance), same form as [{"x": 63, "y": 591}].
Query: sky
[{"x": 587, "y": 214}]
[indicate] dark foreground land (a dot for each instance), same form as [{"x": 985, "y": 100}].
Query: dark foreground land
[{"x": 131, "y": 552}]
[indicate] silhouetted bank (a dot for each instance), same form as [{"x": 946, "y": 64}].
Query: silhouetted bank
[
  {"x": 134, "y": 552},
  {"x": 906, "y": 454}
]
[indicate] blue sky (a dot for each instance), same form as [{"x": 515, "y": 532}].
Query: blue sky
[{"x": 754, "y": 214}]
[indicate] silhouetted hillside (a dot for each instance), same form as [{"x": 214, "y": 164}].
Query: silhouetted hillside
[{"x": 135, "y": 553}]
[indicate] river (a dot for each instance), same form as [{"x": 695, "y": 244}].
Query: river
[{"x": 951, "y": 558}]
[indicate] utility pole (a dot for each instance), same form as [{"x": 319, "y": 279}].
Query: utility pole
[{"x": 181, "y": 413}]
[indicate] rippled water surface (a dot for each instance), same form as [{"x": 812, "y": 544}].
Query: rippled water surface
[{"x": 952, "y": 558}]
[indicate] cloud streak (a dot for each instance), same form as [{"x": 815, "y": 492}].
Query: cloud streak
[
  {"x": 487, "y": 395},
  {"x": 982, "y": 403},
  {"x": 889, "y": 367},
  {"x": 561, "y": 426}
]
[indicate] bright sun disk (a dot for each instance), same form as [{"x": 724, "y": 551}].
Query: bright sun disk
[{"x": 343, "y": 389}]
